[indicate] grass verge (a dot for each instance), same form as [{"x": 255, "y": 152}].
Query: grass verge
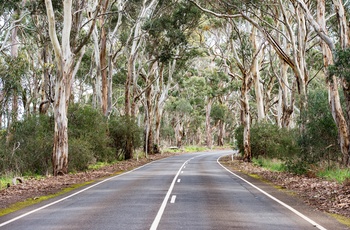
[
  {"x": 337, "y": 174},
  {"x": 270, "y": 164}
]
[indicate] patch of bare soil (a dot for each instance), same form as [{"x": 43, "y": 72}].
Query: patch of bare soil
[
  {"x": 327, "y": 196},
  {"x": 34, "y": 188}
]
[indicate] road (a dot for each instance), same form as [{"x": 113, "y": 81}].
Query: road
[{"x": 189, "y": 191}]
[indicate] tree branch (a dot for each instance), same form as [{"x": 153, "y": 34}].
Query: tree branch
[
  {"x": 87, "y": 37},
  {"x": 214, "y": 13},
  {"x": 52, "y": 30}
]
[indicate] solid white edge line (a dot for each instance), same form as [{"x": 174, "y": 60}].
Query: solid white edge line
[
  {"x": 74, "y": 194},
  {"x": 274, "y": 198}
]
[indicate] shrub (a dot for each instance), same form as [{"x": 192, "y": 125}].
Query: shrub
[
  {"x": 269, "y": 141},
  {"x": 89, "y": 127},
  {"x": 81, "y": 154},
  {"x": 121, "y": 130},
  {"x": 31, "y": 146},
  {"x": 319, "y": 141},
  {"x": 239, "y": 138},
  {"x": 321, "y": 136}
]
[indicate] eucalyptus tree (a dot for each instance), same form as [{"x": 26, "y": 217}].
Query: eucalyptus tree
[
  {"x": 283, "y": 26},
  {"x": 11, "y": 18},
  {"x": 328, "y": 45},
  {"x": 137, "y": 16},
  {"x": 164, "y": 47},
  {"x": 67, "y": 49},
  {"x": 240, "y": 54},
  {"x": 107, "y": 48},
  {"x": 180, "y": 109}
]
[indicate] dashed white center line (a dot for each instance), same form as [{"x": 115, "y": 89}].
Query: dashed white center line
[
  {"x": 166, "y": 198},
  {"x": 178, "y": 180},
  {"x": 173, "y": 198},
  {"x": 182, "y": 171}
]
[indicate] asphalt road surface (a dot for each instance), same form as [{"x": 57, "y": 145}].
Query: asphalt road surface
[{"x": 190, "y": 191}]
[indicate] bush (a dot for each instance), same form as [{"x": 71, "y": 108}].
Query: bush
[
  {"x": 81, "y": 154},
  {"x": 239, "y": 138},
  {"x": 121, "y": 130},
  {"x": 269, "y": 141},
  {"x": 88, "y": 137},
  {"x": 30, "y": 148},
  {"x": 319, "y": 142},
  {"x": 321, "y": 135}
]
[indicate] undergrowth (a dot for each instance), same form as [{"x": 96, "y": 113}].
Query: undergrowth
[
  {"x": 337, "y": 174},
  {"x": 270, "y": 164},
  {"x": 194, "y": 148}
]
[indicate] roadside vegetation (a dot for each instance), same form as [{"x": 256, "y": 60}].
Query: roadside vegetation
[{"x": 312, "y": 151}]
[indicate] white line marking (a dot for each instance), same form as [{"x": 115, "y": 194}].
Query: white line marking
[
  {"x": 67, "y": 197},
  {"x": 166, "y": 198},
  {"x": 173, "y": 198},
  {"x": 275, "y": 199},
  {"x": 184, "y": 167},
  {"x": 182, "y": 171},
  {"x": 178, "y": 180}
]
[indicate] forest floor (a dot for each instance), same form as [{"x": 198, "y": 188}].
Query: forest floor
[{"x": 323, "y": 195}]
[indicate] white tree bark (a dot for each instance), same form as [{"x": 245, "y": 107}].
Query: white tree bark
[
  {"x": 65, "y": 63},
  {"x": 64, "y": 60},
  {"x": 162, "y": 89},
  {"x": 97, "y": 100},
  {"x": 137, "y": 40},
  {"x": 333, "y": 93},
  {"x": 255, "y": 70},
  {"x": 208, "y": 129}
]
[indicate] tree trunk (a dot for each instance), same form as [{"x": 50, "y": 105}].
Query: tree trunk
[
  {"x": 178, "y": 132},
  {"x": 208, "y": 129},
  {"x": 343, "y": 23},
  {"x": 148, "y": 144},
  {"x": 286, "y": 99},
  {"x": 221, "y": 133},
  {"x": 344, "y": 43},
  {"x": 103, "y": 60},
  {"x": 128, "y": 84},
  {"x": 60, "y": 149},
  {"x": 334, "y": 99},
  {"x": 65, "y": 60},
  {"x": 97, "y": 100},
  {"x": 14, "y": 55},
  {"x": 255, "y": 70},
  {"x": 245, "y": 118},
  {"x": 46, "y": 94},
  {"x": 162, "y": 94}
]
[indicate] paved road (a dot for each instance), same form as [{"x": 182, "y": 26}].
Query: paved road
[{"x": 190, "y": 191}]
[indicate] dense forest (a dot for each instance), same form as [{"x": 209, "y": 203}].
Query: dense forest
[{"x": 97, "y": 81}]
